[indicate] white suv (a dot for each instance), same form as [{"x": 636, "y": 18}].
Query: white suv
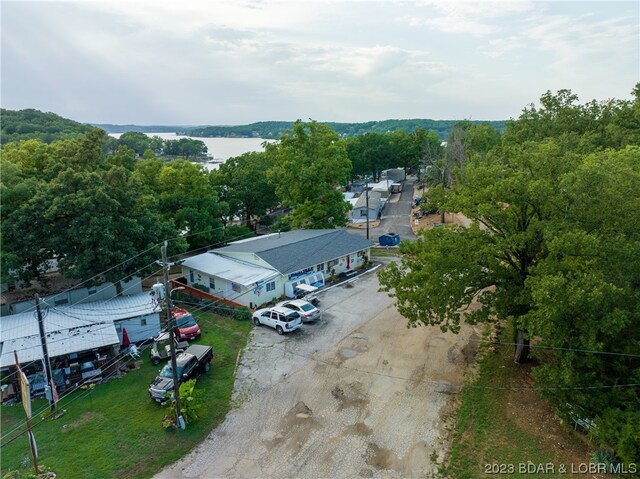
[
  {"x": 282, "y": 319},
  {"x": 307, "y": 311}
]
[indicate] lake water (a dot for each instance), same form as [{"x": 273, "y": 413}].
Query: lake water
[{"x": 220, "y": 148}]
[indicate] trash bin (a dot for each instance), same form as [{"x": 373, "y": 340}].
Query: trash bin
[{"x": 390, "y": 239}]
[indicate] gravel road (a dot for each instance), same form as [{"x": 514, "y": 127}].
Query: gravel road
[{"x": 357, "y": 394}]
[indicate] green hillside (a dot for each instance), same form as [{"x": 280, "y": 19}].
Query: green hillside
[{"x": 33, "y": 124}]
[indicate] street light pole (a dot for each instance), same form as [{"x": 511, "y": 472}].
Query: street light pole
[
  {"x": 171, "y": 326},
  {"x": 366, "y": 192}
]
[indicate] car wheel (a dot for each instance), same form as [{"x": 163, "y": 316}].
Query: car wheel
[
  {"x": 256, "y": 321},
  {"x": 207, "y": 367},
  {"x": 279, "y": 329},
  {"x": 155, "y": 361}
]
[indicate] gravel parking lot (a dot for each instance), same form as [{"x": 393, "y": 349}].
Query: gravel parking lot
[{"x": 356, "y": 394}]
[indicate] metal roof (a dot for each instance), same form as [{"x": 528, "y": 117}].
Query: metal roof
[
  {"x": 69, "y": 329},
  {"x": 374, "y": 199},
  {"x": 230, "y": 269},
  {"x": 299, "y": 249}
]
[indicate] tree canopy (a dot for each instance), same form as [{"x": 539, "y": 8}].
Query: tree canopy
[
  {"x": 67, "y": 202},
  {"x": 309, "y": 163},
  {"x": 553, "y": 248},
  {"x": 31, "y": 124},
  {"x": 244, "y": 185}
]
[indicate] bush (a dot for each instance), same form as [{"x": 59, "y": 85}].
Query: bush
[
  {"x": 621, "y": 430},
  {"x": 242, "y": 314}
]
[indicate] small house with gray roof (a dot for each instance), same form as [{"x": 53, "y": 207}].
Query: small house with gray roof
[{"x": 258, "y": 270}]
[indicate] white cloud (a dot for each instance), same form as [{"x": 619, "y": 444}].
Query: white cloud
[
  {"x": 473, "y": 18},
  {"x": 199, "y": 62}
]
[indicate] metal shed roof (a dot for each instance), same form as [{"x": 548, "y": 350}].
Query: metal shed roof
[{"x": 69, "y": 329}]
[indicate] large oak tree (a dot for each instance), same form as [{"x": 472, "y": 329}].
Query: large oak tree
[{"x": 553, "y": 248}]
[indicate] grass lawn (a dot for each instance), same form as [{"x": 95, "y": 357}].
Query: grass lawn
[
  {"x": 384, "y": 252},
  {"x": 508, "y": 427},
  {"x": 115, "y": 430}
]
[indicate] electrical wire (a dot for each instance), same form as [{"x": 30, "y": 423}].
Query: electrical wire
[
  {"x": 430, "y": 381},
  {"x": 555, "y": 348},
  {"x": 53, "y": 413},
  {"x": 67, "y": 393}
]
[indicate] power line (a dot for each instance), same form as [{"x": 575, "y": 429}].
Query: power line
[
  {"x": 431, "y": 381},
  {"x": 51, "y": 414},
  {"x": 542, "y": 346}
]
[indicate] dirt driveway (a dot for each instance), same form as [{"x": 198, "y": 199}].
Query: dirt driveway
[{"x": 356, "y": 395}]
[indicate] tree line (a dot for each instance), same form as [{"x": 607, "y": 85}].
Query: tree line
[
  {"x": 32, "y": 124},
  {"x": 275, "y": 129},
  {"x": 552, "y": 253},
  {"x": 93, "y": 201}
]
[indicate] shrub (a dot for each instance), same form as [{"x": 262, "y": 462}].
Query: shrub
[{"x": 242, "y": 314}]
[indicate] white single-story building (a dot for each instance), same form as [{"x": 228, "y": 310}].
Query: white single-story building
[
  {"x": 359, "y": 210},
  {"x": 258, "y": 270}
]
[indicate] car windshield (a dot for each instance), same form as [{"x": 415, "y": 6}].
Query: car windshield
[
  {"x": 307, "y": 307},
  {"x": 167, "y": 371},
  {"x": 185, "y": 322}
]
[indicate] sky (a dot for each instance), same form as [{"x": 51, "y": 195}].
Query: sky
[{"x": 232, "y": 62}]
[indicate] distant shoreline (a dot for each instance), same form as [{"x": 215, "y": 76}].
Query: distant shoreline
[{"x": 272, "y": 130}]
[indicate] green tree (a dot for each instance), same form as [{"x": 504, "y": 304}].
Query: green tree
[
  {"x": 66, "y": 201},
  {"x": 185, "y": 148},
  {"x": 245, "y": 187},
  {"x": 139, "y": 142},
  {"x": 369, "y": 154},
  {"x": 309, "y": 163},
  {"x": 183, "y": 193},
  {"x": 33, "y": 124},
  {"x": 544, "y": 252},
  {"x": 429, "y": 150}
]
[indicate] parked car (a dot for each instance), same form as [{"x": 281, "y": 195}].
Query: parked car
[
  {"x": 186, "y": 327},
  {"x": 307, "y": 292},
  {"x": 282, "y": 319},
  {"x": 190, "y": 364},
  {"x": 161, "y": 347},
  {"x": 306, "y": 310}
]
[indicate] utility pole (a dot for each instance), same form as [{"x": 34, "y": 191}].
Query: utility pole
[
  {"x": 171, "y": 326},
  {"x": 366, "y": 192},
  {"x": 45, "y": 352},
  {"x": 25, "y": 395}
]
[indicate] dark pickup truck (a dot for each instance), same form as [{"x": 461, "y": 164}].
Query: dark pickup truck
[{"x": 195, "y": 360}]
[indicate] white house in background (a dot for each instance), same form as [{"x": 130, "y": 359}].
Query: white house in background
[
  {"x": 383, "y": 187},
  {"x": 359, "y": 210},
  {"x": 258, "y": 270}
]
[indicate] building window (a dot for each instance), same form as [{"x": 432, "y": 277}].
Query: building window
[
  {"x": 212, "y": 283},
  {"x": 235, "y": 287},
  {"x": 333, "y": 263},
  {"x": 320, "y": 267},
  {"x": 92, "y": 291},
  {"x": 363, "y": 213},
  {"x": 143, "y": 322},
  {"x": 271, "y": 286},
  {"x": 191, "y": 278},
  {"x": 59, "y": 302}
]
